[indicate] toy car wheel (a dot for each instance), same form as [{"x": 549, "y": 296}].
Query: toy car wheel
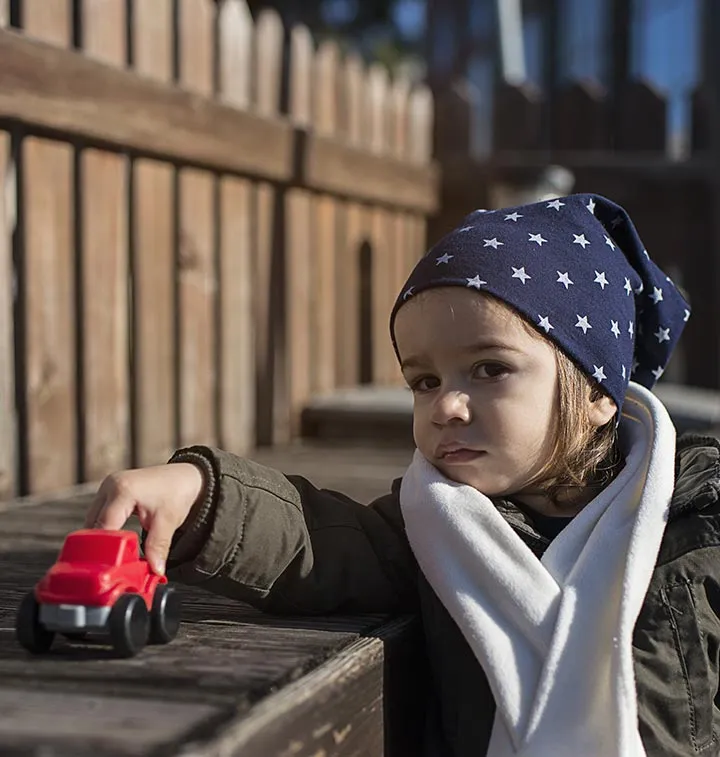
[
  {"x": 30, "y": 633},
  {"x": 129, "y": 625},
  {"x": 165, "y": 615}
]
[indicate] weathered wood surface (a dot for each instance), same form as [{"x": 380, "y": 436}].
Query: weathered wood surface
[
  {"x": 233, "y": 682},
  {"x": 58, "y": 90}
]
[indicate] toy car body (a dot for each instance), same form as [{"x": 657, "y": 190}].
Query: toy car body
[{"x": 100, "y": 584}]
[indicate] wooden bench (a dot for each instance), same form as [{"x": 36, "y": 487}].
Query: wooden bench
[{"x": 234, "y": 682}]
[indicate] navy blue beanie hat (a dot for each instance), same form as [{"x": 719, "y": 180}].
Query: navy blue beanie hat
[{"x": 576, "y": 268}]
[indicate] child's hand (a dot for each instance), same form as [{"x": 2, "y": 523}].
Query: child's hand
[{"x": 161, "y": 496}]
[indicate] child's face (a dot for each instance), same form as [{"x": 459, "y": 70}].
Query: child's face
[{"x": 485, "y": 389}]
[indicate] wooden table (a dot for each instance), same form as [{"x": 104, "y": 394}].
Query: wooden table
[{"x": 234, "y": 682}]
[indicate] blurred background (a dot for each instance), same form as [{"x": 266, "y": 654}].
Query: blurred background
[{"x": 209, "y": 207}]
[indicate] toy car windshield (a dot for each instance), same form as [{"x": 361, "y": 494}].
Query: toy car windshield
[{"x": 100, "y": 548}]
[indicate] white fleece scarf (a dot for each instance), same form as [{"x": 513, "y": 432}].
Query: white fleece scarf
[{"x": 554, "y": 636}]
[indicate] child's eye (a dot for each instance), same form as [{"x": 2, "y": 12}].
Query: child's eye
[
  {"x": 424, "y": 384},
  {"x": 490, "y": 370}
]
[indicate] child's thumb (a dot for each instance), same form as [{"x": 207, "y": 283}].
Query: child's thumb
[{"x": 157, "y": 543}]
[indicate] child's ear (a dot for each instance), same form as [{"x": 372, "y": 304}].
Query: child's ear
[{"x": 601, "y": 410}]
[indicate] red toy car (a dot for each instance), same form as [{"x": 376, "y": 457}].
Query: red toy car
[{"x": 100, "y": 584}]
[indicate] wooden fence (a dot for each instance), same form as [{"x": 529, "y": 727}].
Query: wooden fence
[
  {"x": 616, "y": 145},
  {"x": 204, "y": 221}
]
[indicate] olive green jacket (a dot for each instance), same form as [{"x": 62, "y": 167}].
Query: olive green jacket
[{"x": 281, "y": 544}]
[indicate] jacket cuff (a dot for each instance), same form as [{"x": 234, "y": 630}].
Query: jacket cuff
[{"x": 193, "y": 533}]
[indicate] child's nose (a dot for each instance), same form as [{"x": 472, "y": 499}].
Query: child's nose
[{"x": 452, "y": 406}]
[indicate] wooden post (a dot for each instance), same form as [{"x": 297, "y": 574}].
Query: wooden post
[
  {"x": 703, "y": 264},
  {"x": 47, "y": 289},
  {"x": 237, "y": 333},
  {"x": 299, "y": 291},
  {"x": 104, "y": 270},
  {"x": 621, "y": 20},
  {"x": 272, "y": 419},
  {"x": 325, "y": 324},
  {"x": 640, "y": 118},
  {"x": 581, "y": 118},
  {"x": 196, "y": 275},
  {"x": 153, "y": 197}
]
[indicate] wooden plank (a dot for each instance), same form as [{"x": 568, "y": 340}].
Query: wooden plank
[
  {"x": 152, "y": 40},
  {"x": 298, "y": 240},
  {"x": 351, "y": 114},
  {"x": 236, "y": 431},
  {"x": 47, "y": 20},
  {"x": 343, "y": 708},
  {"x": 8, "y": 417},
  {"x": 48, "y": 285},
  {"x": 399, "y": 146},
  {"x": 49, "y": 319},
  {"x": 329, "y": 166},
  {"x": 154, "y": 379},
  {"x": 273, "y": 421},
  {"x": 237, "y": 333},
  {"x": 381, "y": 228},
  {"x": 420, "y": 147},
  {"x": 64, "y": 91},
  {"x": 325, "y": 248},
  {"x": 104, "y": 25},
  {"x": 55, "y": 89},
  {"x": 104, "y": 266},
  {"x": 196, "y": 238}
]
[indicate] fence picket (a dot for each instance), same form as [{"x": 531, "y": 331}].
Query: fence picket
[
  {"x": 48, "y": 20},
  {"x": 48, "y": 286},
  {"x": 154, "y": 348},
  {"x": 326, "y": 223},
  {"x": 236, "y": 340},
  {"x": 641, "y": 119},
  {"x": 196, "y": 243},
  {"x": 420, "y": 150},
  {"x": 401, "y": 237},
  {"x": 580, "y": 119},
  {"x": 349, "y": 356},
  {"x": 301, "y": 345},
  {"x": 8, "y": 419},
  {"x": 104, "y": 269},
  {"x": 273, "y": 422},
  {"x": 378, "y": 140}
]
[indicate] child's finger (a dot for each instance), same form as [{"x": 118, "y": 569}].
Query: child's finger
[
  {"x": 97, "y": 505},
  {"x": 157, "y": 543},
  {"x": 114, "y": 513}
]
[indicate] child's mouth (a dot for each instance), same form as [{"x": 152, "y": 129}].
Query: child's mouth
[{"x": 462, "y": 455}]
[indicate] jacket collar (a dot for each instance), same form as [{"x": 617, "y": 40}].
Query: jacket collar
[{"x": 697, "y": 474}]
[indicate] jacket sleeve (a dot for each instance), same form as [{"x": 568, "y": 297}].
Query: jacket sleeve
[
  {"x": 677, "y": 644},
  {"x": 285, "y": 546}
]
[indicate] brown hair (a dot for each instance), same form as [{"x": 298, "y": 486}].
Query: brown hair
[{"x": 583, "y": 454}]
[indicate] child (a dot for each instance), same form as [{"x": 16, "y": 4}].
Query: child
[{"x": 563, "y": 558}]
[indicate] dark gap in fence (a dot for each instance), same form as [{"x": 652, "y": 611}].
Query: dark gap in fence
[{"x": 365, "y": 338}]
